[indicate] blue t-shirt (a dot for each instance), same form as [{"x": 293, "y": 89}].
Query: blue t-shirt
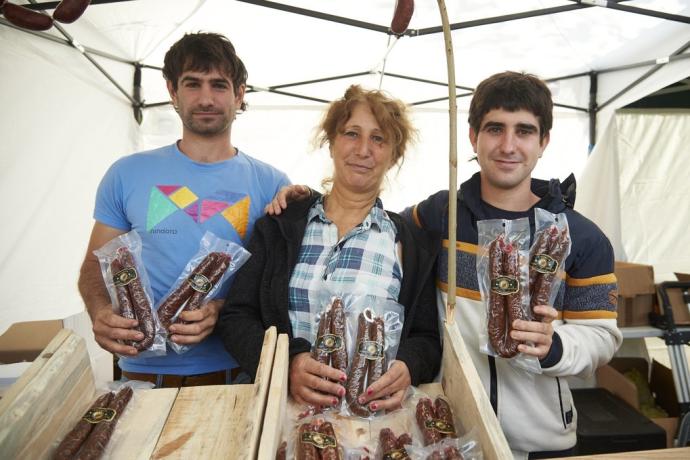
[{"x": 171, "y": 201}]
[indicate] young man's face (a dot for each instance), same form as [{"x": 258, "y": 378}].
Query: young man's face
[
  {"x": 508, "y": 147},
  {"x": 206, "y": 101}
]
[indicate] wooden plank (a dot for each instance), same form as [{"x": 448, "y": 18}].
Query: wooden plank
[
  {"x": 462, "y": 385},
  {"x": 49, "y": 399},
  {"x": 141, "y": 424},
  {"x": 222, "y": 421},
  {"x": 206, "y": 422},
  {"x": 255, "y": 416},
  {"x": 276, "y": 402},
  {"x": 679, "y": 453}
]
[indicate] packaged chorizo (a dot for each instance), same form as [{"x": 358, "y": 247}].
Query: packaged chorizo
[
  {"x": 130, "y": 291},
  {"x": 374, "y": 329},
  {"x": 503, "y": 276},
  {"x": 215, "y": 261},
  {"x": 316, "y": 438},
  {"x": 550, "y": 247}
]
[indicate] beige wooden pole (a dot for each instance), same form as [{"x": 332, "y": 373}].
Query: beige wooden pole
[{"x": 452, "y": 163}]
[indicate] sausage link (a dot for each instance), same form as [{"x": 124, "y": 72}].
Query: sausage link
[
  {"x": 281, "y": 453},
  {"x": 401, "y": 16},
  {"x": 75, "y": 438},
  {"x": 26, "y": 18},
  {"x": 329, "y": 453},
  {"x": 358, "y": 370},
  {"x": 453, "y": 453},
  {"x": 140, "y": 303},
  {"x": 540, "y": 246},
  {"x": 445, "y": 414},
  {"x": 124, "y": 303},
  {"x": 169, "y": 307},
  {"x": 319, "y": 354},
  {"x": 387, "y": 441},
  {"x": 376, "y": 366},
  {"x": 425, "y": 418},
  {"x": 69, "y": 11},
  {"x": 511, "y": 265},
  {"x": 100, "y": 435},
  {"x": 339, "y": 357},
  {"x": 497, "y": 302},
  {"x": 558, "y": 251},
  {"x": 304, "y": 450},
  {"x": 214, "y": 275},
  {"x": 403, "y": 440}
]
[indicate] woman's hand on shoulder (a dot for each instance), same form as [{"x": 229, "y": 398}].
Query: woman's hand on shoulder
[{"x": 286, "y": 194}]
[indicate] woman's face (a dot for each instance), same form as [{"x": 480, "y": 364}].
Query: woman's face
[{"x": 361, "y": 153}]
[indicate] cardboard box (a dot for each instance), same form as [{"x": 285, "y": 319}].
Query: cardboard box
[
  {"x": 636, "y": 293},
  {"x": 661, "y": 385},
  {"x": 679, "y": 302},
  {"x": 25, "y": 341}
]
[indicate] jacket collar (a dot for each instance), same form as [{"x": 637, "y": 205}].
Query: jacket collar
[{"x": 554, "y": 195}]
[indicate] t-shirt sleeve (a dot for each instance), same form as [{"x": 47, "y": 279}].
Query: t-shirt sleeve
[{"x": 110, "y": 208}]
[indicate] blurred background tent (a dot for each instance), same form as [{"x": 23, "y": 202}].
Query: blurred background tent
[{"x": 65, "y": 120}]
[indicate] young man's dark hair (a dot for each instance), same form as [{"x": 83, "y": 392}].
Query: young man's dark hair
[
  {"x": 204, "y": 51},
  {"x": 512, "y": 91}
]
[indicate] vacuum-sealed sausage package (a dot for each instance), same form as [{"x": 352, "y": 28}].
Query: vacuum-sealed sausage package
[
  {"x": 200, "y": 280},
  {"x": 374, "y": 328},
  {"x": 315, "y": 438},
  {"x": 130, "y": 292},
  {"x": 503, "y": 276},
  {"x": 551, "y": 246}
]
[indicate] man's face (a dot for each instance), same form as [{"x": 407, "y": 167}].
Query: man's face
[
  {"x": 206, "y": 101},
  {"x": 507, "y": 147}
]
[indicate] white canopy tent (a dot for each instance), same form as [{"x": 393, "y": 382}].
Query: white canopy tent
[{"x": 64, "y": 121}]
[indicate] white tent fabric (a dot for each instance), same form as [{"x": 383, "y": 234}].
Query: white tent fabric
[
  {"x": 636, "y": 187},
  {"x": 64, "y": 123}
]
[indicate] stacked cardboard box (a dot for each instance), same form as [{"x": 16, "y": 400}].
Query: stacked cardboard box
[
  {"x": 636, "y": 293},
  {"x": 660, "y": 378}
]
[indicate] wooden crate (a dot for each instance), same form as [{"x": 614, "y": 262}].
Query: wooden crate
[
  {"x": 460, "y": 383},
  {"x": 222, "y": 421}
]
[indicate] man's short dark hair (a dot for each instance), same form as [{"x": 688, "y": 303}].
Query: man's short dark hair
[
  {"x": 512, "y": 91},
  {"x": 203, "y": 52}
]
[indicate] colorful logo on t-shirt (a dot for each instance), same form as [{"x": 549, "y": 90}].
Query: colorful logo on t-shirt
[{"x": 165, "y": 200}]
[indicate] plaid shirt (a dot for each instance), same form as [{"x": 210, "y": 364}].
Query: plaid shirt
[{"x": 365, "y": 260}]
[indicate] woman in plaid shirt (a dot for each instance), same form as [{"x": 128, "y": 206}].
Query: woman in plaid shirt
[{"x": 344, "y": 239}]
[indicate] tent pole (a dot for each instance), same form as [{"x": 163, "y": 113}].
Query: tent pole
[
  {"x": 593, "y": 88},
  {"x": 634, "y": 9},
  {"x": 453, "y": 165},
  {"x": 659, "y": 65}
]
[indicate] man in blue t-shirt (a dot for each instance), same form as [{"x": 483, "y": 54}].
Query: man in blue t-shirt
[{"x": 171, "y": 196}]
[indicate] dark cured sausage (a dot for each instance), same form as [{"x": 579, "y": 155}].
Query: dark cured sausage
[
  {"x": 339, "y": 356},
  {"x": 329, "y": 453},
  {"x": 559, "y": 243},
  {"x": 511, "y": 266},
  {"x": 214, "y": 276},
  {"x": 305, "y": 450},
  {"x": 184, "y": 291},
  {"x": 320, "y": 353},
  {"x": 75, "y": 438},
  {"x": 540, "y": 246},
  {"x": 401, "y": 16},
  {"x": 377, "y": 366},
  {"x": 100, "y": 435},
  {"x": 358, "y": 370},
  {"x": 444, "y": 414},
  {"x": 452, "y": 453},
  {"x": 140, "y": 302},
  {"x": 425, "y": 418},
  {"x": 26, "y": 18},
  {"x": 497, "y": 302},
  {"x": 69, "y": 11},
  {"x": 122, "y": 293}
]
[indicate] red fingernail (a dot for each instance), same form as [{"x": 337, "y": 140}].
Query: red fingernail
[
  {"x": 334, "y": 402},
  {"x": 374, "y": 406},
  {"x": 343, "y": 377},
  {"x": 341, "y": 392},
  {"x": 369, "y": 392}
]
